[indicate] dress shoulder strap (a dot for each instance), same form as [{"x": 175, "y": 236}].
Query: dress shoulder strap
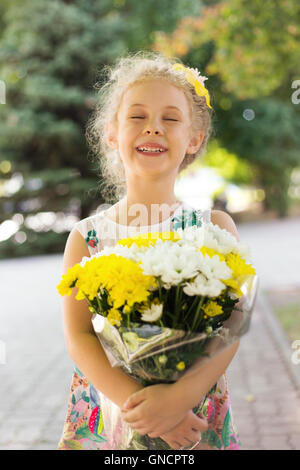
[
  {"x": 89, "y": 229},
  {"x": 204, "y": 215},
  {"x": 207, "y": 215}
]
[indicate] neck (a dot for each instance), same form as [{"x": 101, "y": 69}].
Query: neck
[
  {"x": 151, "y": 203},
  {"x": 151, "y": 191}
]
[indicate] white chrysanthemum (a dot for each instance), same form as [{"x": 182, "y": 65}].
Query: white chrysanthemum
[
  {"x": 84, "y": 260},
  {"x": 152, "y": 314},
  {"x": 212, "y": 236},
  {"x": 132, "y": 252},
  {"x": 219, "y": 239},
  {"x": 202, "y": 286},
  {"x": 243, "y": 250},
  {"x": 209, "y": 235},
  {"x": 232, "y": 295},
  {"x": 173, "y": 263},
  {"x": 192, "y": 235},
  {"x": 213, "y": 268}
]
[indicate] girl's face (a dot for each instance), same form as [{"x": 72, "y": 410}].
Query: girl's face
[{"x": 157, "y": 112}]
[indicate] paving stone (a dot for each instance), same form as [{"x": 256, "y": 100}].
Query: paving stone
[
  {"x": 275, "y": 443},
  {"x": 44, "y": 446},
  {"x": 264, "y": 408},
  {"x": 247, "y": 428},
  {"x": 295, "y": 441},
  {"x": 274, "y": 430},
  {"x": 18, "y": 446}
]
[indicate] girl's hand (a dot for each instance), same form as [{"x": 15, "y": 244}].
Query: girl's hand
[
  {"x": 187, "y": 432},
  {"x": 153, "y": 410}
]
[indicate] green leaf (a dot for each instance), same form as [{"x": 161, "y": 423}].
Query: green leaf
[
  {"x": 85, "y": 397},
  {"x": 212, "y": 438},
  {"x": 225, "y": 434},
  {"x": 84, "y": 433},
  {"x": 73, "y": 445}
]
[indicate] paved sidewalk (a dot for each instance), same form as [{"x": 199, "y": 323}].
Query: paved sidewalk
[
  {"x": 265, "y": 400},
  {"x": 36, "y": 377}
]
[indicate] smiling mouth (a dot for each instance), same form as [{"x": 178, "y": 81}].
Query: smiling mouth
[{"x": 151, "y": 153}]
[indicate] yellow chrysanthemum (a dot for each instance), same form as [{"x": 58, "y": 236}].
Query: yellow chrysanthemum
[
  {"x": 180, "y": 365},
  {"x": 212, "y": 309},
  {"x": 69, "y": 280},
  {"x": 238, "y": 265},
  {"x": 122, "y": 278},
  {"x": 149, "y": 238},
  {"x": 114, "y": 317},
  {"x": 211, "y": 252},
  {"x": 235, "y": 287},
  {"x": 126, "y": 309},
  {"x": 90, "y": 279}
]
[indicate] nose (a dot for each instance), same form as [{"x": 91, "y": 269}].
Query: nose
[
  {"x": 149, "y": 132},
  {"x": 152, "y": 129}
]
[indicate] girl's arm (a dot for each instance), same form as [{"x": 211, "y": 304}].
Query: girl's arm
[
  {"x": 82, "y": 344},
  {"x": 84, "y": 347},
  {"x": 192, "y": 386},
  {"x": 151, "y": 410}
]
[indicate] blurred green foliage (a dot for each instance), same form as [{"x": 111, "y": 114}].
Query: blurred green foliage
[
  {"x": 50, "y": 57},
  {"x": 252, "y": 57},
  {"x": 52, "y": 52}
]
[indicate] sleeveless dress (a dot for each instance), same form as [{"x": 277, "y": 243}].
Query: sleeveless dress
[{"x": 84, "y": 427}]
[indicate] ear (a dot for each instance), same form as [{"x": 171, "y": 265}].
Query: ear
[
  {"x": 110, "y": 133},
  {"x": 195, "y": 143}
]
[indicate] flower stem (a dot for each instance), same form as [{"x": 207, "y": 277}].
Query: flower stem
[
  {"x": 159, "y": 287},
  {"x": 177, "y": 304},
  {"x": 99, "y": 305},
  {"x": 191, "y": 306},
  {"x": 156, "y": 360},
  {"x": 197, "y": 312}
]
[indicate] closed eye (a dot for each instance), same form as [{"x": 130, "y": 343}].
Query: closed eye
[{"x": 141, "y": 117}]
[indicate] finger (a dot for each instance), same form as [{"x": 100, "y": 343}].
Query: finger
[
  {"x": 187, "y": 442},
  {"x": 175, "y": 445},
  {"x": 159, "y": 430},
  {"x": 141, "y": 431},
  {"x": 134, "y": 400},
  {"x": 200, "y": 424},
  {"x": 154, "y": 434},
  {"x": 131, "y": 417},
  {"x": 140, "y": 425},
  {"x": 193, "y": 436}
]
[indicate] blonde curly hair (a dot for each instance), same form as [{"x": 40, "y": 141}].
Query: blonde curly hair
[{"x": 127, "y": 71}]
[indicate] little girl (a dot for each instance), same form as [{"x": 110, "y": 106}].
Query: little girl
[{"x": 153, "y": 119}]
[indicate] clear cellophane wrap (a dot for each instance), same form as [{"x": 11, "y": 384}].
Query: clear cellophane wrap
[{"x": 150, "y": 353}]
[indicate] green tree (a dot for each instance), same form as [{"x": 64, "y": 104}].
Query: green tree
[
  {"x": 50, "y": 57},
  {"x": 266, "y": 134},
  {"x": 251, "y": 55}
]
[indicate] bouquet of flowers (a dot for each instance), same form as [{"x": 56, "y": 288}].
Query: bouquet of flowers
[{"x": 163, "y": 304}]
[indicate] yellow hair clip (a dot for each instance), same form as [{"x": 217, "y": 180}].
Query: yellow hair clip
[{"x": 193, "y": 76}]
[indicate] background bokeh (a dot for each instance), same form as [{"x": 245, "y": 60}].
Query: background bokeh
[{"x": 51, "y": 56}]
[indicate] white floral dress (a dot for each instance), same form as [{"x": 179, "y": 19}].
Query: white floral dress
[{"x": 84, "y": 427}]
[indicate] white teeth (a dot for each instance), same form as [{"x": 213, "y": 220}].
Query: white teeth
[{"x": 144, "y": 149}]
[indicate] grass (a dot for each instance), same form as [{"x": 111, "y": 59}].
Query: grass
[
  {"x": 288, "y": 315},
  {"x": 286, "y": 306}
]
